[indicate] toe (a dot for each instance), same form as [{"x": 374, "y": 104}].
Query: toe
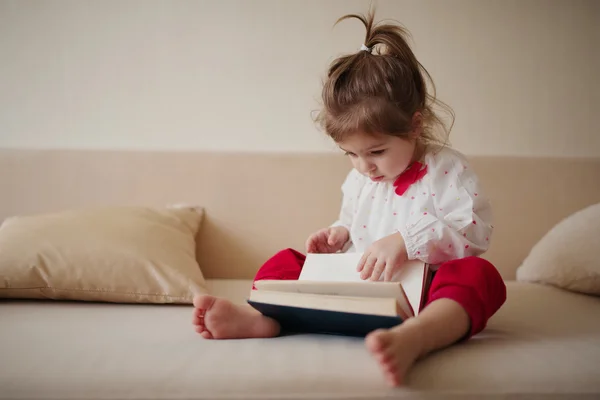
[
  {"x": 387, "y": 357},
  {"x": 198, "y": 320},
  {"x": 389, "y": 365},
  {"x": 206, "y": 334},
  {"x": 393, "y": 379},
  {"x": 203, "y": 302},
  {"x": 199, "y": 312},
  {"x": 199, "y": 301},
  {"x": 376, "y": 341}
]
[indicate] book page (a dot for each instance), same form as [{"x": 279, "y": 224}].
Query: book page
[
  {"x": 412, "y": 276},
  {"x": 336, "y": 267},
  {"x": 373, "y": 305},
  {"x": 364, "y": 289},
  {"x": 341, "y": 267}
]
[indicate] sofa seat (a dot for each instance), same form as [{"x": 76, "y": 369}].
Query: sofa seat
[{"x": 543, "y": 344}]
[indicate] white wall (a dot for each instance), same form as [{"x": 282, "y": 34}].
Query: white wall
[{"x": 522, "y": 75}]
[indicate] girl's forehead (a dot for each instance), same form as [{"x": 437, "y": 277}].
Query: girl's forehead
[{"x": 362, "y": 141}]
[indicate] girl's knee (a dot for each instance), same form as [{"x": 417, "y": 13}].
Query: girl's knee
[
  {"x": 473, "y": 269},
  {"x": 488, "y": 274},
  {"x": 475, "y": 283},
  {"x": 284, "y": 265}
]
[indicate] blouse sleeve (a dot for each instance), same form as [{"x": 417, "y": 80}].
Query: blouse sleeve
[
  {"x": 350, "y": 193},
  {"x": 454, "y": 219}
]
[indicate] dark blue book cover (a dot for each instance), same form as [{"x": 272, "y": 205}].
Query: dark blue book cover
[{"x": 308, "y": 320}]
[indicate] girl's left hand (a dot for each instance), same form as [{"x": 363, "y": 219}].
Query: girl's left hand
[{"x": 384, "y": 256}]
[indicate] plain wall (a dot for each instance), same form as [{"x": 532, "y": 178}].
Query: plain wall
[{"x": 522, "y": 76}]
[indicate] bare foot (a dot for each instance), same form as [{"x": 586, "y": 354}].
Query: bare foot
[
  {"x": 216, "y": 318},
  {"x": 396, "y": 350}
]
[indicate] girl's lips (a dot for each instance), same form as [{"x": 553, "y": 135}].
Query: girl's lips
[{"x": 377, "y": 178}]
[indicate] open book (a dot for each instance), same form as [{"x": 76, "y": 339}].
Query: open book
[{"x": 330, "y": 297}]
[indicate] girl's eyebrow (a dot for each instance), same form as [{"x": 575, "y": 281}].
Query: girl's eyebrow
[
  {"x": 367, "y": 149},
  {"x": 377, "y": 145}
]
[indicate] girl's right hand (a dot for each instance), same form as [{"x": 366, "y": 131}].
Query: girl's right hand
[{"x": 327, "y": 240}]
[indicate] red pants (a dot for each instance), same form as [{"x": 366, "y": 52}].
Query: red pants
[{"x": 472, "y": 282}]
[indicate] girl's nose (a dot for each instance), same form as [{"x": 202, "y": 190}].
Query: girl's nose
[{"x": 367, "y": 167}]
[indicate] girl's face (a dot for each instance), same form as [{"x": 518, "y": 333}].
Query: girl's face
[{"x": 380, "y": 157}]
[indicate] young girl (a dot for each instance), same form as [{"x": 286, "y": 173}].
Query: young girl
[{"x": 409, "y": 196}]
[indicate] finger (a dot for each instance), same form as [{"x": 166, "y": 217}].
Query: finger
[
  {"x": 312, "y": 243},
  {"x": 323, "y": 247},
  {"x": 332, "y": 237},
  {"x": 390, "y": 269},
  {"x": 362, "y": 261},
  {"x": 389, "y": 272},
  {"x": 322, "y": 243},
  {"x": 368, "y": 268},
  {"x": 308, "y": 245},
  {"x": 378, "y": 269},
  {"x": 336, "y": 238}
]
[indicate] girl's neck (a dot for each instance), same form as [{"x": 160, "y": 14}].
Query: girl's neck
[{"x": 419, "y": 152}]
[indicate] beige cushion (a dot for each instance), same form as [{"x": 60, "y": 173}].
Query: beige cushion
[
  {"x": 110, "y": 254},
  {"x": 543, "y": 344},
  {"x": 568, "y": 256}
]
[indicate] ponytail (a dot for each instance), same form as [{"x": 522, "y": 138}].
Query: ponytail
[{"x": 379, "y": 88}]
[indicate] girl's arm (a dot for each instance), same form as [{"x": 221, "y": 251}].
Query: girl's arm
[
  {"x": 455, "y": 218},
  {"x": 350, "y": 189}
]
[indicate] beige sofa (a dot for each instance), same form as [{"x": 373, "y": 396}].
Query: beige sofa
[{"x": 543, "y": 344}]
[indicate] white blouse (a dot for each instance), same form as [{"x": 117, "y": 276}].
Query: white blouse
[{"x": 441, "y": 217}]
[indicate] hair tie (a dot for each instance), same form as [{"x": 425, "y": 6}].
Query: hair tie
[{"x": 365, "y": 48}]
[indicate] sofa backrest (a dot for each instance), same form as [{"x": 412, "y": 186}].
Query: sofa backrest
[{"x": 257, "y": 204}]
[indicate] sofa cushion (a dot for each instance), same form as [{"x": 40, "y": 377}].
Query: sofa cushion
[
  {"x": 114, "y": 254},
  {"x": 535, "y": 347},
  {"x": 568, "y": 256}
]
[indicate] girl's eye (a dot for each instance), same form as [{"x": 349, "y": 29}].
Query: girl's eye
[
  {"x": 350, "y": 154},
  {"x": 378, "y": 152}
]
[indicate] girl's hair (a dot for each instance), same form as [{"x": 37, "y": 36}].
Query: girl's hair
[{"x": 379, "y": 88}]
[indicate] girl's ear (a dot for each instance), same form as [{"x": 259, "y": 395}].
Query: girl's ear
[{"x": 417, "y": 125}]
